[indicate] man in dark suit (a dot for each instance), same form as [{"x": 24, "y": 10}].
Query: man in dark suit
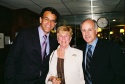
[
  {"x": 24, "y": 64},
  {"x": 106, "y": 64}
]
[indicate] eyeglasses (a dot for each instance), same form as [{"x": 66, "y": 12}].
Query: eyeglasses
[{"x": 46, "y": 19}]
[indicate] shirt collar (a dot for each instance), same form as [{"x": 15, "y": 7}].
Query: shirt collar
[
  {"x": 41, "y": 33},
  {"x": 94, "y": 42}
]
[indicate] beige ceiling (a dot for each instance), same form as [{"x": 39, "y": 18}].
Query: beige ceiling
[{"x": 74, "y": 11}]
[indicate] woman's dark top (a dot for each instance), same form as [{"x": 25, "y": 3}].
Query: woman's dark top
[{"x": 60, "y": 70}]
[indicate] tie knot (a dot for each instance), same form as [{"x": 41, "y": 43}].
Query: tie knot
[
  {"x": 44, "y": 37},
  {"x": 89, "y": 46}
]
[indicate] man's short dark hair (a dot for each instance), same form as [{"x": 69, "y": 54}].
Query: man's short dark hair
[{"x": 52, "y": 10}]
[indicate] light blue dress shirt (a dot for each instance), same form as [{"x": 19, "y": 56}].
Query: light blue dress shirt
[{"x": 92, "y": 48}]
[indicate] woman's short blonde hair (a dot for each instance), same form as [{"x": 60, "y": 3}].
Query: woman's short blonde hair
[{"x": 65, "y": 28}]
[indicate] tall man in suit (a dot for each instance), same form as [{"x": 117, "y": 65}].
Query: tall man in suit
[
  {"x": 107, "y": 63},
  {"x": 24, "y": 64}
]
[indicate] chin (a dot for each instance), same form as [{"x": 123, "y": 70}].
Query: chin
[
  {"x": 88, "y": 41},
  {"x": 47, "y": 31}
]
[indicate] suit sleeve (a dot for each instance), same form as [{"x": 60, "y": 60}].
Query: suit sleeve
[
  {"x": 13, "y": 59},
  {"x": 118, "y": 64}
]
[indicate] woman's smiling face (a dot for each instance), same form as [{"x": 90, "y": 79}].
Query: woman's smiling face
[{"x": 64, "y": 38}]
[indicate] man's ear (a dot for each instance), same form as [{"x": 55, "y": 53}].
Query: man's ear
[{"x": 40, "y": 19}]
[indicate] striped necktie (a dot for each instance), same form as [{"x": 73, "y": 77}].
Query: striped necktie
[
  {"x": 88, "y": 65},
  {"x": 44, "y": 44}
]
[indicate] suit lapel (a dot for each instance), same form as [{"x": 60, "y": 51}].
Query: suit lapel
[
  {"x": 96, "y": 50},
  {"x": 53, "y": 43},
  {"x": 36, "y": 40}
]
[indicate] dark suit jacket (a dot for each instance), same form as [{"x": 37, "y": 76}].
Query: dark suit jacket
[
  {"x": 108, "y": 63},
  {"x": 24, "y": 63}
]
